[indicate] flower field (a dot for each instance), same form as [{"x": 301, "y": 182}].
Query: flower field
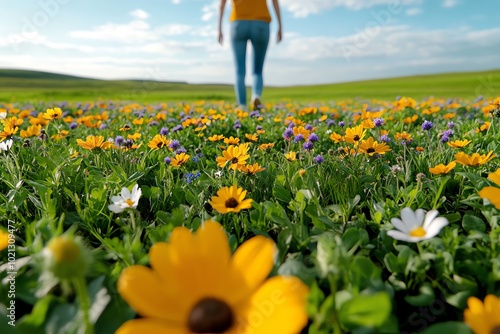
[{"x": 343, "y": 217}]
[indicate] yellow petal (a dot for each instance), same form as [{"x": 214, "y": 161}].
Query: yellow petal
[
  {"x": 495, "y": 177},
  {"x": 475, "y": 305},
  {"x": 143, "y": 290},
  {"x": 144, "y": 326},
  {"x": 251, "y": 264},
  {"x": 492, "y": 194},
  {"x": 278, "y": 306}
]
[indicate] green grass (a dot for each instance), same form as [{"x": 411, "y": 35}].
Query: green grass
[{"x": 18, "y": 85}]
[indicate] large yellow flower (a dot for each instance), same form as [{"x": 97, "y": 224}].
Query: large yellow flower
[
  {"x": 475, "y": 159},
  {"x": 94, "y": 142},
  {"x": 251, "y": 169},
  {"x": 158, "y": 141},
  {"x": 355, "y": 135},
  {"x": 230, "y": 199},
  {"x": 194, "y": 285},
  {"x": 180, "y": 159},
  {"x": 51, "y": 114},
  {"x": 236, "y": 155},
  {"x": 371, "y": 147},
  {"x": 31, "y": 131},
  {"x": 492, "y": 193},
  {"x": 8, "y": 132},
  {"x": 442, "y": 169},
  {"x": 483, "y": 318},
  {"x": 4, "y": 239}
]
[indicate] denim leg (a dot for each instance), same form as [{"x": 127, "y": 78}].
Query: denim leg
[
  {"x": 259, "y": 36},
  {"x": 239, "y": 38}
]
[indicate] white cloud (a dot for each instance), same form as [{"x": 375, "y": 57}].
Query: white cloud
[
  {"x": 210, "y": 11},
  {"x": 139, "y": 14},
  {"x": 450, "y": 3},
  {"x": 303, "y": 8},
  {"x": 176, "y": 2},
  {"x": 414, "y": 11}
]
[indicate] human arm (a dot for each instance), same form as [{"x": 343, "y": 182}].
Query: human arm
[
  {"x": 221, "y": 14},
  {"x": 278, "y": 15}
]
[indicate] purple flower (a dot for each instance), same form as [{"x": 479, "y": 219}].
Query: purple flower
[
  {"x": 427, "y": 125},
  {"x": 444, "y": 139},
  {"x": 73, "y": 125},
  {"x": 164, "y": 131},
  {"x": 236, "y": 126},
  {"x": 341, "y": 124},
  {"x": 254, "y": 113},
  {"x": 291, "y": 125},
  {"x": 167, "y": 160},
  {"x": 451, "y": 125},
  {"x": 174, "y": 144},
  {"x": 153, "y": 123},
  {"x": 378, "y": 122},
  {"x": 308, "y": 127},
  {"x": 259, "y": 127},
  {"x": 298, "y": 138},
  {"x": 181, "y": 150},
  {"x": 129, "y": 143},
  {"x": 385, "y": 138},
  {"x": 177, "y": 128},
  {"x": 313, "y": 138},
  {"x": 330, "y": 122},
  {"x": 103, "y": 126},
  {"x": 119, "y": 140},
  {"x": 319, "y": 159},
  {"x": 288, "y": 133},
  {"x": 448, "y": 133},
  {"x": 308, "y": 146}
]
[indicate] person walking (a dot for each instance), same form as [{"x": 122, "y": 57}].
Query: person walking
[{"x": 250, "y": 20}]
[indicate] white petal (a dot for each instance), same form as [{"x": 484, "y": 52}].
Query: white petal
[
  {"x": 429, "y": 217},
  {"x": 420, "y": 215},
  {"x": 435, "y": 227},
  {"x": 400, "y": 225},
  {"x": 125, "y": 193},
  {"x": 115, "y": 208},
  {"x": 116, "y": 199},
  {"x": 402, "y": 237},
  {"x": 409, "y": 218}
]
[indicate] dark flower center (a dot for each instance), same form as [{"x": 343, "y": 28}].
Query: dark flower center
[
  {"x": 160, "y": 145},
  {"x": 234, "y": 160},
  {"x": 370, "y": 150},
  {"x": 210, "y": 316},
  {"x": 231, "y": 203},
  {"x": 495, "y": 330},
  {"x": 356, "y": 138}
]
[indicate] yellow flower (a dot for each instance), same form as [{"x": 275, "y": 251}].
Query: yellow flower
[
  {"x": 252, "y": 169},
  {"x": 459, "y": 143},
  {"x": 8, "y": 131},
  {"x": 158, "y": 141},
  {"x": 475, "y": 159},
  {"x": 12, "y": 121},
  {"x": 180, "y": 159},
  {"x": 266, "y": 146},
  {"x": 483, "y": 318},
  {"x": 4, "y": 239},
  {"x": 300, "y": 130},
  {"x": 66, "y": 257},
  {"x": 409, "y": 120},
  {"x": 291, "y": 156},
  {"x": 31, "y": 131},
  {"x": 195, "y": 285},
  {"x": 442, "y": 169},
  {"x": 60, "y": 135},
  {"x": 492, "y": 193},
  {"x": 136, "y": 121},
  {"x": 230, "y": 199},
  {"x": 231, "y": 141},
  {"x": 236, "y": 155},
  {"x": 134, "y": 137},
  {"x": 483, "y": 127},
  {"x": 94, "y": 142},
  {"x": 371, "y": 147},
  {"x": 126, "y": 127},
  {"x": 403, "y": 136},
  {"x": 254, "y": 138},
  {"x": 51, "y": 114},
  {"x": 355, "y": 134},
  {"x": 336, "y": 137},
  {"x": 216, "y": 138}
]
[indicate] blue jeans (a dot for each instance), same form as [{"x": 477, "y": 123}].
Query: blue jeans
[{"x": 257, "y": 32}]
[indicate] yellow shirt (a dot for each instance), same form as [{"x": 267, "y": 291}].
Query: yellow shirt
[{"x": 250, "y": 10}]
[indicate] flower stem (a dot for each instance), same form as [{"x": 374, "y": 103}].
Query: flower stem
[{"x": 83, "y": 296}]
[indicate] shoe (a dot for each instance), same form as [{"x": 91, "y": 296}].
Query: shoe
[{"x": 256, "y": 104}]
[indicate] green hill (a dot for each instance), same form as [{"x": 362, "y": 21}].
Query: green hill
[{"x": 20, "y": 85}]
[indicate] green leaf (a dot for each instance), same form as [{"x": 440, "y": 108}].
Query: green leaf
[
  {"x": 281, "y": 193},
  {"x": 473, "y": 223},
  {"x": 32, "y": 323},
  {"x": 425, "y": 297},
  {"x": 366, "y": 310},
  {"x": 449, "y": 327}
]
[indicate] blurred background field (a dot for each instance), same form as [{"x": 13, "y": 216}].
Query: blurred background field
[{"x": 21, "y": 85}]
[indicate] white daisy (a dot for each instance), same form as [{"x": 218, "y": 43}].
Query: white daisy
[
  {"x": 417, "y": 226},
  {"x": 126, "y": 199},
  {"x": 6, "y": 145}
]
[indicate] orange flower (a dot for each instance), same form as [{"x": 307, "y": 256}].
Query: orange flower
[
  {"x": 442, "y": 169},
  {"x": 94, "y": 142},
  {"x": 475, "y": 159},
  {"x": 492, "y": 193}
]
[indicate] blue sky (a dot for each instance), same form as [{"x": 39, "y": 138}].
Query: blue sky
[{"x": 325, "y": 41}]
